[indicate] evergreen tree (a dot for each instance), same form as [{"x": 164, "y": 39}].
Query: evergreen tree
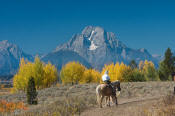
[
  {"x": 167, "y": 66},
  {"x": 133, "y": 64},
  {"x": 31, "y": 92}
]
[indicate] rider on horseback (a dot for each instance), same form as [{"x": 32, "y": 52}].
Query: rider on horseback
[{"x": 106, "y": 80}]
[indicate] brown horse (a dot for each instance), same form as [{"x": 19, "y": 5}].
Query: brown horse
[{"x": 103, "y": 90}]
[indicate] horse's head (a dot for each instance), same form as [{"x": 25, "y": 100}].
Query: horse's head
[{"x": 116, "y": 84}]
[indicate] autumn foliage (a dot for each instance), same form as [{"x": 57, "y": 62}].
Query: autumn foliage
[
  {"x": 125, "y": 73},
  {"x": 118, "y": 71},
  {"x": 74, "y": 73},
  {"x": 11, "y": 106},
  {"x": 149, "y": 71},
  {"x": 44, "y": 74},
  {"x": 91, "y": 76}
]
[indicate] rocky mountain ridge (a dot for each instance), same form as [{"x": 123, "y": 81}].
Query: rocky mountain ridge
[{"x": 99, "y": 47}]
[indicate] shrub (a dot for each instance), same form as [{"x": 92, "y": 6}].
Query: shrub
[
  {"x": 137, "y": 76},
  {"x": 149, "y": 71},
  {"x": 11, "y": 106}
]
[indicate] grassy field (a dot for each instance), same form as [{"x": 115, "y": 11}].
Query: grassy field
[{"x": 136, "y": 98}]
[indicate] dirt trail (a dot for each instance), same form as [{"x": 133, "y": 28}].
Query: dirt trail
[
  {"x": 125, "y": 107},
  {"x": 135, "y": 99}
]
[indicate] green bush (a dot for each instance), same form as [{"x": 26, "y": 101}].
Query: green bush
[{"x": 137, "y": 76}]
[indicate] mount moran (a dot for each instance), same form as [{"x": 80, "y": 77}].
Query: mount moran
[{"x": 93, "y": 47}]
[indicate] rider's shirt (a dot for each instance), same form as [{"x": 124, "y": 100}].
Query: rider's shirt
[{"x": 105, "y": 77}]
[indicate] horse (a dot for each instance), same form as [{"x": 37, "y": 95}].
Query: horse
[
  {"x": 115, "y": 84},
  {"x": 103, "y": 90}
]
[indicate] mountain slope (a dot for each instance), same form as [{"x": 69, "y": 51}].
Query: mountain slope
[
  {"x": 10, "y": 55},
  {"x": 62, "y": 57},
  {"x": 99, "y": 47}
]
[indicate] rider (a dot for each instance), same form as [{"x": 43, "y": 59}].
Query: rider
[{"x": 106, "y": 80}]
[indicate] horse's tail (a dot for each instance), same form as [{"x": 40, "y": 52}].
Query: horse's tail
[{"x": 98, "y": 93}]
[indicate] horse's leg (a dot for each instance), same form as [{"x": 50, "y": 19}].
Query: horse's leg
[
  {"x": 106, "y": 101},
  {"x": 116, "y": 102},
  {"x": 101, "y": 100},
  {"x": 109, "y": 101},
  {"x": 98, "y": 99}
]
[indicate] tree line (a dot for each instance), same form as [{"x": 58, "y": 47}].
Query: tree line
[{"x": 75, "y": 73}]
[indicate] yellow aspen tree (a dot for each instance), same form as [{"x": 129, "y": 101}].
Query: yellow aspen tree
[
  {"x": 90, "y": 76},
  {"x": 118, "y": 71},
  {"x": 141, "y": 64},
  {"x": 50, "y": 75},
  {"x": 96, "y": 75},
  {"x": 38, "y": 70},
  {"x": 21, "y": 78},
  {"x": 72, "y": 73}
]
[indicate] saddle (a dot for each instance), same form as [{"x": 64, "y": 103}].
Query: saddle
[{"x": 108, "y": 85}]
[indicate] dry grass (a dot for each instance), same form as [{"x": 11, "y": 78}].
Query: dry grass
[
  {"x": 77, "y": 99},
  {"x": 62, "y": 100},
  {"x": 5, "y": 89},
  {"x": 66, "y": 107},
  {"x": 165, "y": 107}
]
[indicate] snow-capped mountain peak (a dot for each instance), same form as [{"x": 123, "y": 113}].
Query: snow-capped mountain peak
[{"x": 99, "y": 47}]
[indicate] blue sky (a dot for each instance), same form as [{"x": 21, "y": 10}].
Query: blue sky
[{"x": 38, "y": 26}]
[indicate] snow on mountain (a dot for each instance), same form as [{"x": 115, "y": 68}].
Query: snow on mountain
[{"x": 98, "y": 47}]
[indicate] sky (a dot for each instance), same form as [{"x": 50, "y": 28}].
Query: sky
[{"x": 38, "y": 26}]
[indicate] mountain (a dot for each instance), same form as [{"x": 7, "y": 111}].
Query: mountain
[
  {"x": 61, "y": 57},
  {"x": 10, "y": 55},
  {"x": 96, "y": 46},
  {"x": 158, "y": 57}
]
